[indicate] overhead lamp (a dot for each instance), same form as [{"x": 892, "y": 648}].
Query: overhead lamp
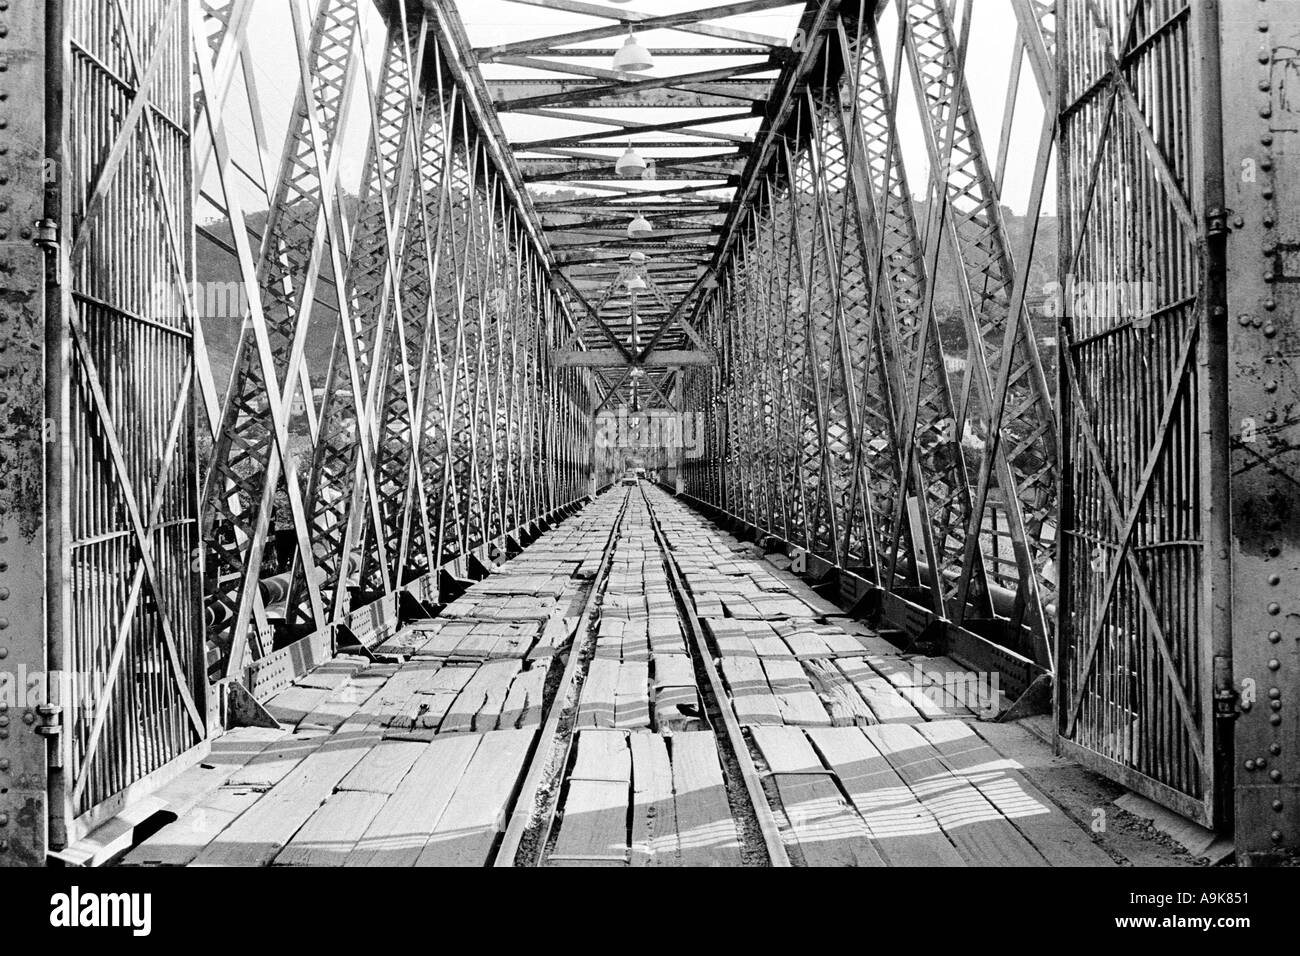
[
  {"x": 630, "y": 164},
  {"x": 638, "y": 257},
  {"x": 637, "y": 372},
  {"x": 639, "y": 227},
  {"x": 635, "y": 283},
  {"x": 632, "y": 57}
]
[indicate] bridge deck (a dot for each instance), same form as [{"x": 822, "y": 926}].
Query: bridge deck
[{"x": 473, "y": 725}]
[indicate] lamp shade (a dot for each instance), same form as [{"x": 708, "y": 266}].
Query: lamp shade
[
  {"x": 630, "y": 163},
  {"x": 638, "y": 227},
  {"x": 632, "y": 57},
  {"x": 635, "y": 283},
  {"x": 637, "y": 257}
]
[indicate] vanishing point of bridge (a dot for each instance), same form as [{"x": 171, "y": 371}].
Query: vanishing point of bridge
[{"x": 670, "y": 437}]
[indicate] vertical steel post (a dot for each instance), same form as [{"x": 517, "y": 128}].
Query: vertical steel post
[
  {"x": 29, "y": 290},
  {"x": 1259, "y": 343}
]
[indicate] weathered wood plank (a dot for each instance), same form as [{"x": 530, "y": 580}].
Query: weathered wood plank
[
  {"x": 328, "y": 837},
  {"x": 794, "y": 694},
  {"x": 705, "y": 826},
  {"x": 1058, "y": 838},
  {"x": 654, "y": 840},
  {"x": 257, "y": 835},
  {"x": 398, "y": 833},
  {"x": 976, "y": 828},
  {"x": 468, "y": 828},
  {"x": 383, "y": 768},
  {"x": 903, "y": 830},
  {"x": 825, "y": 830}
]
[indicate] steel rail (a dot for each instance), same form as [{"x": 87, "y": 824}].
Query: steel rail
[
  {"x": 735, "y": 738},
  {"x": 566, "y": 700}
]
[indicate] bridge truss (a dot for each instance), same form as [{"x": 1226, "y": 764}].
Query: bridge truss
[{"x": 298, "y": 329}]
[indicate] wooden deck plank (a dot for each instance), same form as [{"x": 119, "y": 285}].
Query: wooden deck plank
[
  {"x": 654, "y": 840},
  {"x": 328, "y": 837},
  {"x": 398, "y": 833},
  {"x": 751, "y": 697},
  {"x": 841, "y": 698},
  {"x": 256, "y": 836},
  {"x": 383, "y": 768},
  {"x": 181, "y": 841},
  {"x": 596, "y": 707},
  {"x": 903, "y": 830},
  {"x": 794, "y": 693},
  {"x": 632, "y": 695},
  {"x": 593, "y": 826},
  {"x": 1058, "y": 838},
  {"x": 705, "y": 827},
  {"x": 976, "y": 828},
  {"x": 468, "y": 828},
  {"x": 478, "y": 705},
  {"x": 825, "y": 830}
]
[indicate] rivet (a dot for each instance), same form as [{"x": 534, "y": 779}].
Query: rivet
[
  {"x": 1276, "y": 836},
  {"x": 4, "y": 652},
  {"x": 1269, "y": 222},
  {"x": 1267, "y": 192},
  {"x": 1264, "y": 85},
  {"x": 1270, "y": 305},
  {"x": 1274, "y": 636},
  {"x": 1275, "y": 704},
  {"x": 1275, "y": 749},
  {"x": 1270, "y": 386},
  {"x": 1263, "y": 26},
  {"x": 1277, "y": 806},
  {"x": 1249, "y": 764},
  {"x": 1273, "y": 579},
  {"x": 1274, "y": 608},
  {"x": 4, "y": 819},
  {"x": 1267, "y": 139},
  {"x": 1275, "y": 776},
  {"x": 1274, "y": 693},
  {"x": 1276, "y": 721},
  {"x": 4, "y": 763}
]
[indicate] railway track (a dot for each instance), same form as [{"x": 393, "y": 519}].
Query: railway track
[{"x": 530, "y": 837}]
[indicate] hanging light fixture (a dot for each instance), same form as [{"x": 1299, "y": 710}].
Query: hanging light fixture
[
  {"x": 638, "y": 257},
  {"x": 635, "y": 283},
  {"x": 639, "y": 227},
  {"x": 630, "y": 164},
  {"x": 632, "y": 57}
]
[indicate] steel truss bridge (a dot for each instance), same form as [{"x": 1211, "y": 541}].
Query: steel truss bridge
[{"x": 310, "y": 311}]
